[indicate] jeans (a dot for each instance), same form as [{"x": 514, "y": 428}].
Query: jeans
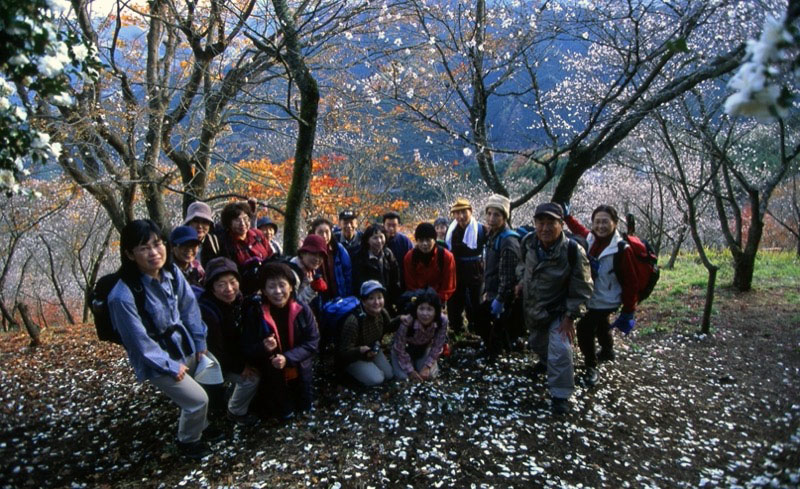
[{"x": 371, "y": 372}]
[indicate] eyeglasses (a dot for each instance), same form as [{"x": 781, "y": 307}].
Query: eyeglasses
[{"x": 146, "y": 248}]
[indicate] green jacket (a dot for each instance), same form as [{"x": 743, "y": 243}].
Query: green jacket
[{"x": 550, "y": 286}]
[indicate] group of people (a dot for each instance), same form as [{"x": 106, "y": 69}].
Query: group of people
[{"x": 222, "y": 304}]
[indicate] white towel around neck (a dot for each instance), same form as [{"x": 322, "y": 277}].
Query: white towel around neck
[{"x": 470, "y": 234}]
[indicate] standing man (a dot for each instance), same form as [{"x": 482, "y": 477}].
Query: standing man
[
  {"x": 465, "y": 238},
  {"x": 556, "y": 284},
  {"x": 500, "y": 318},
  {"x": 348, "y": 234},
  {"x": 396, "y": 241}
]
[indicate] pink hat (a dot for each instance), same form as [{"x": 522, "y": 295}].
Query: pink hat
[
  {"x": 314, "y": 244},
  {"x": 199, "y": 210}
]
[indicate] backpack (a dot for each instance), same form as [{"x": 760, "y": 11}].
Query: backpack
[
  {"x": 333, "y": 315},
  {"x": 572, "y": 246},
  {"x": 647, "y": 271},
  {"x": 98, "y": 301},
  {"x": 498, "y": 240}
]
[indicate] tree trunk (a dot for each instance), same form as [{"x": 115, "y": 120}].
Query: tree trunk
[
  {"x": 30, "y": 326},
  {"x": 712, "y": 281},
  {"x": 676, "y": 249},
  {"x": 743, "y": 268},
  {"x": 307, "y": 128}
]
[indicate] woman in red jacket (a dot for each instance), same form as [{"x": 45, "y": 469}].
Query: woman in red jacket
[
  {"x": 428, "y": 265},
  {"x": 613, "y": 285},
  {"x": 241, "y": 243}
]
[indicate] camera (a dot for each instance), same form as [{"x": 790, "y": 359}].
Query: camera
[{"x": 376, "y": 347}]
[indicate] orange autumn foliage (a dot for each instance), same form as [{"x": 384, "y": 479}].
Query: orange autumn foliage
[{"x": 329, "y": 192}]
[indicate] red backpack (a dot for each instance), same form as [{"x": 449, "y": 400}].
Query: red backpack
[{"x": 646, "y": 262}]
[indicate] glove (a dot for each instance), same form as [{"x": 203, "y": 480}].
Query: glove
[
  {"x": 624, "y": 322},
  {"x": 319, "y": 285},
  {"x": 566, "y": 206},
  {"x": 497, "y": 308}
]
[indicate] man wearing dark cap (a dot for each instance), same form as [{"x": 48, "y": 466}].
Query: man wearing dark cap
[
  {"x": 348, "y": 234},
  {"x": 556, "y": 284}
]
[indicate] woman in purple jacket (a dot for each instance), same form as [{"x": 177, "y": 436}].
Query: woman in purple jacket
[
  {"x": 280, "y": 337},
  {"x": 420, "y": 338}
]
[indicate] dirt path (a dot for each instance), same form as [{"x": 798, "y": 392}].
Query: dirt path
[{"x": 674, "y": 410}]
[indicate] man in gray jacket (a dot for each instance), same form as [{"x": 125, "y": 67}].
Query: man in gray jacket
[{"x": 556, "y": 283}]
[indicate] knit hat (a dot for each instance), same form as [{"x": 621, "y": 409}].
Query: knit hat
[
  {"x": 216, "y": 267},
  {"x": 314, "y": 244},
  {"x": 549, "y": 209},
  {"x": 460, "y": 205},
  {"x": 266, "y": 221},
  {"x": 441, "y": 221},
  {"x": 501, "y": 203},
  {"x": 182, "y": 235},
  {"x": 198, "y": 210},
  {"x": 425, "y": 230},
  {"x": 371, "y": 286}
]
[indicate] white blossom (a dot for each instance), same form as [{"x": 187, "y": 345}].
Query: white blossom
[
  {"x": 467, "y": 152},
  {"x": 4, "y": 103},
  {"x": 63, "y": 99},
  {"x": 58, "y": 6},
  {"x": 40, "y": 141},
  {"x": 80, "y": 51},
  {"x": 55, "y": 150},
  {"x": 410, "y": 93},
  {"x": 348, "y": 35},
  {"x": 6, "y": 88},
  {"x": 398, "y": 42},
  {"x": 20, "y": 113},
  {"x": 50, "y": 66},
  {"x": 18, "y": 60}
]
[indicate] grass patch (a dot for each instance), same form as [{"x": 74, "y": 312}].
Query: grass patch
[{"x": 677, "y": 302}]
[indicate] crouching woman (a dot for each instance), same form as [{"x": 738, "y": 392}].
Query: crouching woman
[
  {"x": 420, "y": 338},
  {"x": 221, "y": 307},
  {"x": 166, "y": 338},
  {"x": 359, "y": 348},
  {"x": 280, "y": 337}
]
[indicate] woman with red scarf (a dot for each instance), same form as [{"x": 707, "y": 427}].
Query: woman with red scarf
[{"x": 280, "y": 336}]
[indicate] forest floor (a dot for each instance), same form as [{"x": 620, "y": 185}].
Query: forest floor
[{"x": 676, "y": 409}]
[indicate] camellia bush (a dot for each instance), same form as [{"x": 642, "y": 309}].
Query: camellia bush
[{"x": 37, "y": 59}]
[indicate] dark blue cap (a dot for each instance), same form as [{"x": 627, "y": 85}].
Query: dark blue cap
[{"x": 182, "y": 235}]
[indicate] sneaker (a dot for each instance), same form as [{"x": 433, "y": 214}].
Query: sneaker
[
  {"x": 590, "y": 377},
  {"x": 246, "y": 419},
  {"x": 605, "y": 355},
  {"x": 212, "y": 434},
  {"x": 194, "y": 450},
  {"x": 560, "y": 406}
]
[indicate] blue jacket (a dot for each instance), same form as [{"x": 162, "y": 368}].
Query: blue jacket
[
  {"x": 167, "y": 308},
  {"x": 400, "y": 245},
  {"x": 343, "y": 271}
]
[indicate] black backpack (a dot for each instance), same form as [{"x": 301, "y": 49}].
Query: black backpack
[{"x": 98, "y": 300}]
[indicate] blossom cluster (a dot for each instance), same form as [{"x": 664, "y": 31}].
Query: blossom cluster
[
  {"x": 758, "y": 92},
  {"x": 38, "y": 55}
]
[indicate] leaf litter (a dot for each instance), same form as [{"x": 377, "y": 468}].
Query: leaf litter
[{"x": 676, "y": 410}]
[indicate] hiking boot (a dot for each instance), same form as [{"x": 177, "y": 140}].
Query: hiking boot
[
  {"x": 560, "y": 406},
  {"x": 194, "y": 450},
  {"x": 540, "y": 368},
  {"x": 590, "y": 376},
  {"x": 246, "y": 419},
  {"x": 605, "y": 355},
  {"x": 212, "y": 434}
]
